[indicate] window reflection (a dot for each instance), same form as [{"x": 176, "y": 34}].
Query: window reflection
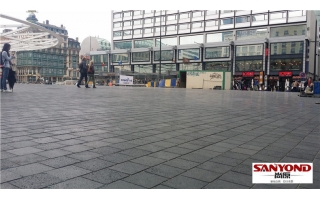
[
  {"x": 252, "y": 34},
  {"x": 220, "y": 37},
  {"x": 287, "y": 48},
  {"x": 219, "y": 66},
  {"x": 226, "y": 21},
  {"x": 143, "y": 69},
  {"x": 141, "y": 56},
  {"x": 278, "y": 15},
  {"x": 117, "y": 33},
  {"x": 249, "y": 50},
  {"x": 242, "y": 19},
  {"x": 166, "y": 41},
  {"x": 143, "y": 43},
  {"x": 165, "y": 55},
  {"x": 212, "y": 12},
  {"x": 191, "y": 39},
  {"x": 184, "y": 15},
  {"x": 288, "y": 31},
  {"x": 123, "y": 45},
  {"x": 120, "y": 57},
  {"x": 190, "y": 66},
  {"x": 286, "y": 64},
  {"x": 217, "y": 52},
  {"x": 166, "y": 67},
  {"x": 248, "y": 65},
  {"x": 192, "y": 54}
]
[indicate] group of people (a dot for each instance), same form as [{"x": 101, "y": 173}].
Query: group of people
[
  {"x": 86, "y": 72},
  {"x": 6, "y": 69}
]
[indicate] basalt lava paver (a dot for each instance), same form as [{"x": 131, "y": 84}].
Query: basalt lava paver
[{"x": 56, "y": 136}]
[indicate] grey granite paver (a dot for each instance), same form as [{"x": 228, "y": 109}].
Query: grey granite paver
[
  {"x": 121, "y": 185},
  {"x": 77, "y": 183},
  {"x": 7, "y": 186},
  {"x": 129, "y": 167},
  {"x": 36, "y": 181},
  {"x": 165, "y": 171},
  {"x": 30, "y": 169},
  {"x": 105, "y": 176},
  {"x": 201, "y": 174},
  {"x": 68, "y": 172},
  {"x": 145, "y": 179},
  {"x": 171, "y": 124},
  {"x": 182, "y": 182}
]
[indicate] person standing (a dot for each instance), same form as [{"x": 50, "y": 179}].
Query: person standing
[
  {"x": 6, "y": 58},
  {"x": 91, "y": 74},
  {"x": 83, "y": 71}
]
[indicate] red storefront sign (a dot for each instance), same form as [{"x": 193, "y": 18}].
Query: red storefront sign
[
  {"x": 248, "y": 74},
  {"x": 285, "y": 74},
  {"x": 267, "y": 51}
]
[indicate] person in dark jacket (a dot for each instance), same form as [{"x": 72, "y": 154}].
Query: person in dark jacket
[
  {"x": 12, "y": 79},
  {"x": 83, "y": 71},
  {"x": 6, "y": 59},
  {"x": 91, "y": 74}
]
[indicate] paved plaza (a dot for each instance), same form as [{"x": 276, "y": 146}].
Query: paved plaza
[{"x": 57, "y": 136}]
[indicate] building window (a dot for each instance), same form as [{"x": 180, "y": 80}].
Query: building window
[
  {"x": 194, "y": 39},
  {"x": 141, "y": 56},
  {"x": 123, "y": 45},
  {"x": 296, "y": 13},
  {"x": 166, "y": 55},
  {"x": 126, "y": 33},
  {"x": 127, "y": 23},
  {"x": 192, "y": 54},
  {"x": 197, "y": 14},
  {"x": 212, "y": 12},
  {"x": 138, "y": 12},
  {"x": 137, "y": 22},
  {"x": 218, "y": 66},
  {"x": 217, "y": 52},
  {"x": 248, "y": 65},
  {"x": 287, "y": 31},
  {"x": 197, "y": 25},
  {"x": 242, "y": 19},
  {"x": 212, "y": 23},
  {"x": 249, "y": 50},
  {"x": 171, "y": 17},
  {"x": 117, "y": 33},
  {"x": 287, "y": 48},
  {"x": 148, "y": 11},
  {"x": 127, "y": 14},
  {"x": 260, "y": 17},
  {"x": 292, "y": 64},
  {"x": 184, "y": 15},
  {"x": 148, "y": 30},
  {"x": 120, "y": 57},
  {"x": 143, "y": 43},
  {"x": 117, "y": 15},
  {"x": 166, "y": 41},
  {"x": 220, "y": 37},
  {"x": 148, "y": 20},
  {"x": 137, "y": 31},
  {"x": 184, "y": 26},
  {"x": 171, "y": 28},
  {"x": 226, "y": 11},
  {"x": 226, "y": 21},
  {"x": 278, "y": 15},
  {"x": 252, "y": 34}
]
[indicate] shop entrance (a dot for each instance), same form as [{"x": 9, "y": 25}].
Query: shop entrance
[
  {"x": 183, "y": 79},
  {"x": 282, "y": 83}
]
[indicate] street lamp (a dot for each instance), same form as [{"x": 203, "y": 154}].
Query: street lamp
[{"x": 160, "y": 47}]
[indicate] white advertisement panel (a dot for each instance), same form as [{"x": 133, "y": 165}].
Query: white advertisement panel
[{"x": 126, "y": 80}]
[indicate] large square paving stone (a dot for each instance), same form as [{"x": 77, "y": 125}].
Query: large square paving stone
[
  {"x": 182, "y": 182},
  {"x": 201, "y": 174},
  {"x": 165, "y": 171},
  {"x": 145, "y": 179},
  {"x": 105, "y": 176},
  {"x": 24, "y": 151},
  {"x": 68, "y": 172},
  {"x": 77, "y": 183},
  {"x": 129, "y": 167},
  {"x": 36, "y": 181},
  {"x": 31, "y": 169},
  {"x": 121, "y": 185}
]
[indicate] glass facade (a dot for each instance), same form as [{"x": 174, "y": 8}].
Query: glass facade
[
  {"x": 194, "y": 39},
  {"x": 166, "y": 41},
  {"x": 143, "y": 69},
  {"x": 166, "y": 67},
  {"x": 120, "y": 57},
  {"x": 217, "y": 52},
  {"x": 143, "y": 43},
  {"x": 141, "y": 56},
  {"x": 248, "y": 65},
  {"x": 123, "y": 45},
  {"x": 166, "y": 55},
  {"x": 287, "y": 48},
  {"x": 192, "y": 54},
  {"x": 191, "y": 66},
  {"x": 218, "y": 66},
  {"x": 284, "y": 31},
  {"x": 220, "y": 37},
  {"x": 249, "y": 50},
  {"x": 252, "y": 34},
  {"x": 282, "y": 64}
]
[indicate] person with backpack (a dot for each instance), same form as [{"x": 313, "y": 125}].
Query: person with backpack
[
  {"x": 5, "y": 63},
  {"x": 91, "y": 74},
  {"x": 83, "y": 71}
]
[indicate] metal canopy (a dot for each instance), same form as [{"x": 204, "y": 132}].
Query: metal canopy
[{"x": 28, "y": 36}]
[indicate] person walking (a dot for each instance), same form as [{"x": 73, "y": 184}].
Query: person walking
[
  {"x": 91, "y": 74},
  {"x": 6, "y": 60},
  {"x": 83, "y": 71}
]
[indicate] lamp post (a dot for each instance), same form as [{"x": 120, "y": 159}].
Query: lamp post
[{"x": 160, "y": 47}]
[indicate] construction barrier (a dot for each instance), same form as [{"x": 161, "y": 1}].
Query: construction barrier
[
  {"x": 162, "y": 83},
  {"x": 316, "y": 87},
  {"x": 149, "y": 84}
]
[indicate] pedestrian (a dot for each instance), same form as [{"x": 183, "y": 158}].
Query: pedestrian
[
  {"x": 91, "y": 74},
  {"x": 6, "y": 60},
  {"x": 309, "y": 81},
  {"x": 83, "y": 71}
]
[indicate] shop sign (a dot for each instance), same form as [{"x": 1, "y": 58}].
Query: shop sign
[
  {"x": 261, "y": 77},
  {"x": 285, "y": 74},
  {"x": 248, "y": 74}
]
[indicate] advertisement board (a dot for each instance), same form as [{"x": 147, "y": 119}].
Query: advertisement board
[{"x": 126, "y": 80}]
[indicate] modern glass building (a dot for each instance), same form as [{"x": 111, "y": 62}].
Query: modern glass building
[
  {"x": 53, "y": 64},
  {"x": 279, "y": 43}
]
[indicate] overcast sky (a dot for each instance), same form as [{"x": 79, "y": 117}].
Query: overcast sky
[{"x": 93, "y": 17}]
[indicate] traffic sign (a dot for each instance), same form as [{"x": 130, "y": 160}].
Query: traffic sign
[{"x": 302, "y": 75}]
